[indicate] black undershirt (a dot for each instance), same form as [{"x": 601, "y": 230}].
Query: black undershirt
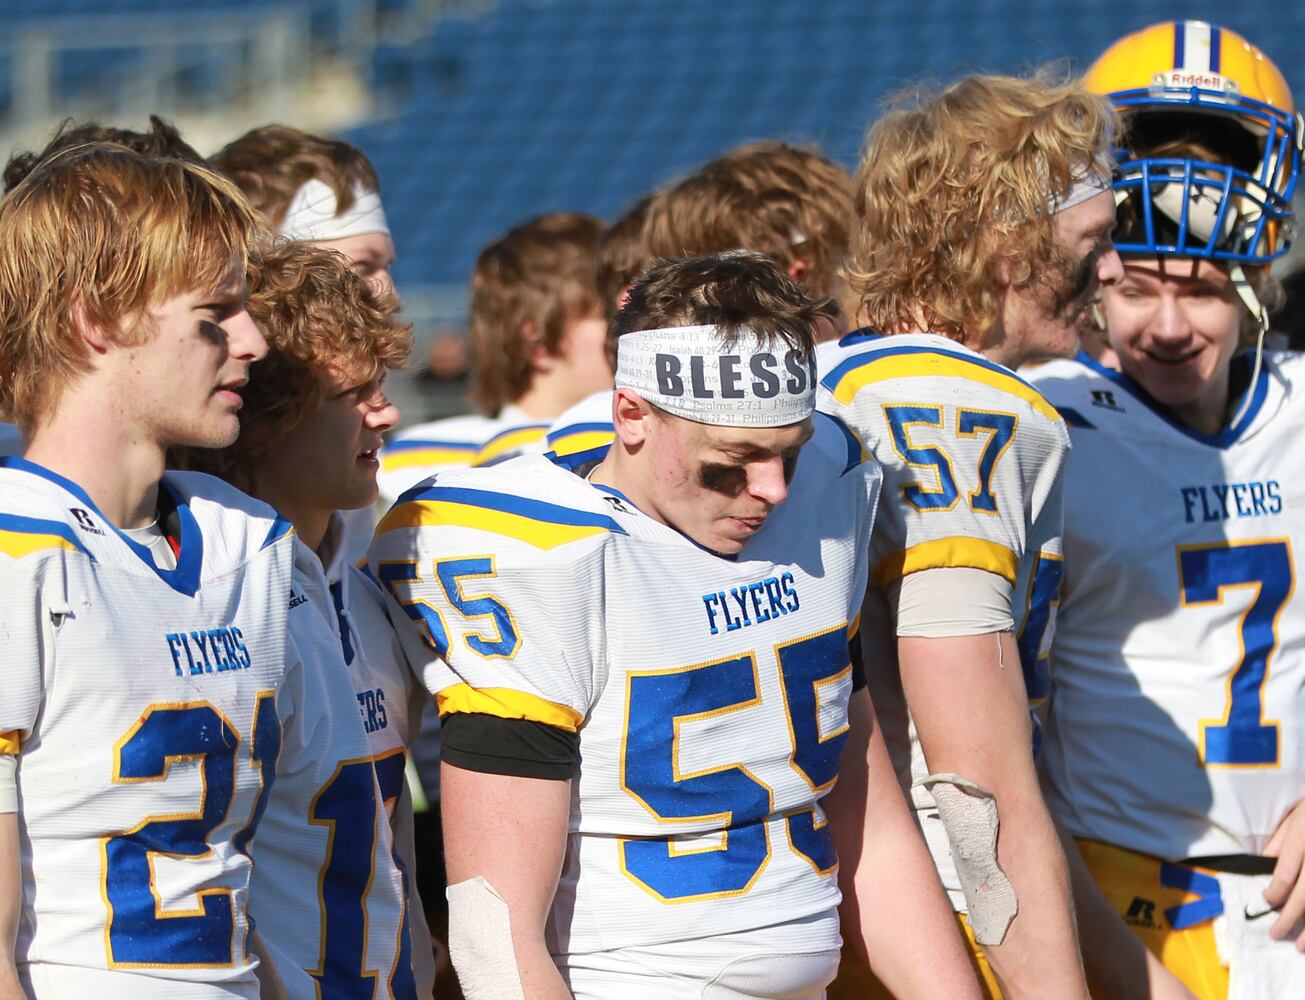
[{"x": 524, "y": 748}]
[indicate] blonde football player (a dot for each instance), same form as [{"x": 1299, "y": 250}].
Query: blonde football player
[
  {"x": 1175, "y": 750},
  {"x": 333, "y": 857},
  {"x": 984, "y": 236},
  {"x": 645, "y": 682},
  {"x": 143, "y": 613}
]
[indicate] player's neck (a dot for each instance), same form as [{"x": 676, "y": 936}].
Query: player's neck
[
  {"x": 117, "y": 465},
  {"x": 550, "y": 395},
  {"x": 309, "y": 519}
]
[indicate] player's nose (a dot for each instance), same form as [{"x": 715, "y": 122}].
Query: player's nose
[
  {"x": 383, "y": 415},
  {"x": 1110, "y": 266},
  {"x": 245, "y": 340},
  {"x": 766, "y": 481},
  {"x": 1169, "y": 322}
]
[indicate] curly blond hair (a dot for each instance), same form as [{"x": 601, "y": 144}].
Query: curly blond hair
[
  {"x": 953, "y": 195},
  {"x": 324, "y": 325}
]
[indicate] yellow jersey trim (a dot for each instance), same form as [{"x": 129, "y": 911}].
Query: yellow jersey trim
[
  {"x": 926, "y": 364},
  {"x": 506, "y": 703},
  {"x": 947, "y": 553},
  {"x": 10, "y": 744}
]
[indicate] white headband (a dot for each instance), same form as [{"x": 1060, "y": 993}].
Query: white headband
[
  {"x": 312, "y": 214},
  {"x": 1085, "y": 184},
  {"x": 688, "y": 371}
]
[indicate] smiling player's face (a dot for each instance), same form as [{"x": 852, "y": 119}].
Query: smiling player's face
[
  {"x": 717, "y": 485},
  {"x": 1175, "y": 324}
]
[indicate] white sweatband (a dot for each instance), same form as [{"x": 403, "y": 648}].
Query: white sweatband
[
  {"x": 313, "y": 215},
  {"x": 691, "y": 372},
  {"x": 1083, "y": 185},
  {"x": 951, "y": 601},
  {"x": 480, "y": 942},
  {"x": 8, "y": 783}
]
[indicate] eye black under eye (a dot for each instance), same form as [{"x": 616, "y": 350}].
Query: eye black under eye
[{"x": 727, "y": 479}]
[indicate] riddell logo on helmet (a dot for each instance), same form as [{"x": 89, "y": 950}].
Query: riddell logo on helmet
[{"x": 1193, "y": 78}]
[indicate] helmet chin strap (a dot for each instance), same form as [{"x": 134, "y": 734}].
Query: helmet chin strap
[{"x": 1252, "y": 302}]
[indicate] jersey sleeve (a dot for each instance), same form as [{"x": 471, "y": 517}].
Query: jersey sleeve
[
  {"x": 498, "y": 601},
  {"x": 23, "y": 616},
  {"x": 971, "y": 456}
]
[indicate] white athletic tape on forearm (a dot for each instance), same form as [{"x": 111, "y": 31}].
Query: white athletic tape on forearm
[
  {"x": 313, "y": 217},
  {"x": 480, "y": 942},
  {"x": 969, "y": 815},
  {"x": 690, "y": 372}
]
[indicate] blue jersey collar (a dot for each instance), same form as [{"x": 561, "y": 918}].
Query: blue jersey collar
[{"x": 184, "y": 579}]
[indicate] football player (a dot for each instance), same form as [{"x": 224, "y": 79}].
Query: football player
[
  {"x": 162, "y": 139},
  {"x": 537, "y": 341},
  {"x": 788, "y": 202},
  {"x": 335, "y": 843},
  {"x": 318, "y": 190},
  {"x": 1175, "y": 751},
  {"x": 984, "y": 237},
  {"x": 645, "y": 683},
  {"x": 143, "y": 612}
]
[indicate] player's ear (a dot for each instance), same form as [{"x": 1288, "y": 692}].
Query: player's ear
[
  {"x": 630, "y": 416},
  {"x": 799, "y": 270},
  {"x": 537, "y": 354},
  {"x": 96, "y": 337}
]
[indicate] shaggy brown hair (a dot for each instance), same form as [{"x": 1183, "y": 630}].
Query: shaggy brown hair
[
  {"x": 162, "y": 139},
  {"x": 622, "y": 254},
  {"x": 270, "y": 164},
  {"x": 527, "y": 285},
  {"x": 953, "y": 191},
  {"x": 786, "y": 201}
]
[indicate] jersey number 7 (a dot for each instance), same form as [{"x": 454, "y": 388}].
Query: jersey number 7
[{"x": 1243, "y": 737}]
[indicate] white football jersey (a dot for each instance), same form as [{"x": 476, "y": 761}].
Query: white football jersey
[
  {"x": 972, "y": 458},
  {"x": 582, "y": 435},
  {"x": 329, "y": 897},
  {"x": 145, "y": 701},
  {"x": 710, "y": 694},
  {"x": 417, "y": 453},
  {"x": 1177, "y": 725},
  {"x": 514, "y": 434},
  {"x": 391, "y": 700}
]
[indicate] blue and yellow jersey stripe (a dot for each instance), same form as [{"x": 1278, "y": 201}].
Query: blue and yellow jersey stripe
[
  {"x": 576, "y": 438},
  {"x": 912, "y": 361},
  {"x": 280, "y": 528},
  {"x": 420, "y": 452},
  {"x": 21, "y": 536},
  {"x": 515, "y": 439},
  {"x": 947, "y": 553},
  {"x": 506, "y": 703},
  {"x": 543, "y": 525}
]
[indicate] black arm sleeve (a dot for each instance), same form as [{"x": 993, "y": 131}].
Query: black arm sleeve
[
  {"x": 857, "y": 661},
  {"x": 518, "y": 747}
]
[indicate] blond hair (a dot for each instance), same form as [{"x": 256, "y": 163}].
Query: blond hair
[
  {"x": 953, "y": 191},
  {"x": 323, "y": 324},
  {"x": 271, "y": 163},
  {"x": 101, "y": 235},
  {"x": 527, "y": 285},
  {"x": 788, "y": 202}
]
